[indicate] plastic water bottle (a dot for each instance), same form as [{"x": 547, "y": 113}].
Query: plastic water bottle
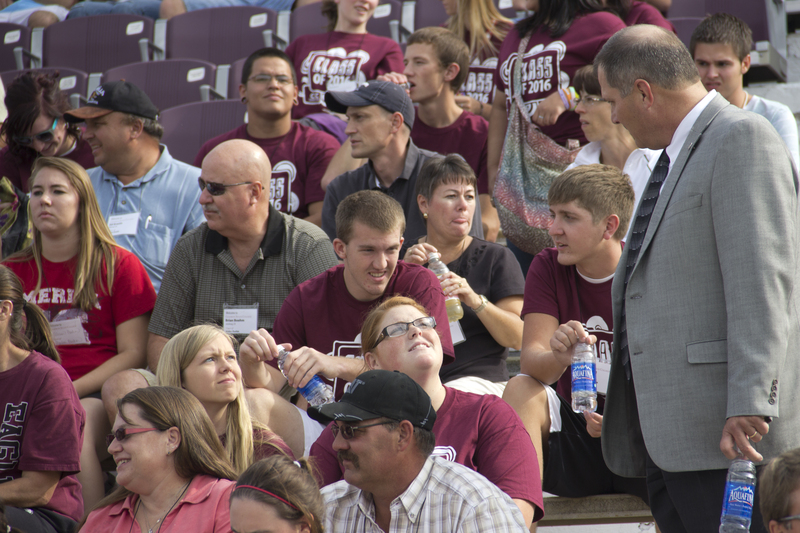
[
  {"x": 316, "y": 392},
  {"x": 584, "y": 379},
  {"x": 452, "y": 303},
  {"x": 740, "y": 488}
]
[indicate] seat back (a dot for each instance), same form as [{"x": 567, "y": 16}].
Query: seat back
[
  {"x": 96, "y": 43},
  {"x": 14, "y": 36},
  {"x": 684, "y": 27},
  {"x": 428, "y": 13},
  {"x": 307, "y": 20},
  {"x": 168, "y": 83},
  {"x": 687, "y": 8},
  {"x": 235, "y": 78},
  {"x": 381, "y": 21},
  {"x": 220, "y": 35},
  {"x": 189, "y": 126}
]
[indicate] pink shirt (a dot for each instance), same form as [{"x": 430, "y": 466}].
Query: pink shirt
[{"x": 203, "y": 509}]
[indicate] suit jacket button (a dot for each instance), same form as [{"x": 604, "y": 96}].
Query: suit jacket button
[{"x": 772, "y": 401}]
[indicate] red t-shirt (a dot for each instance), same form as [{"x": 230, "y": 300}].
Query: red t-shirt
[
  {"x": 559, "y": 291},
  {"x": 549, "y": 64},
  {"x": 320, "y": 313},
  {"x": 18, "y": 169},
  {"x": 337, "y": 61},
  {"x": 480, "y": 80},
  {"x": 298, "y": 159},
  {"x": 42, "y": 428},
  {"x": 132, "y": 296},
  {"x": 481, "y": 432},
  {"x": 644, "y": 13},
  {"x": 466, "y": 137}
]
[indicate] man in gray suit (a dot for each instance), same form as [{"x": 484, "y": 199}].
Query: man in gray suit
[{"x": 705, "y": 300}]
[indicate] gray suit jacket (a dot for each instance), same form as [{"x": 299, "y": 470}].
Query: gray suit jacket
[{"x": 712, "y": 305}]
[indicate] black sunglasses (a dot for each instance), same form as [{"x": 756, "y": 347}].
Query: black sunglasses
[
  {"x": 348, "y": 431},
  {"x": 43, "y": 136},
  {"x": 123, "y": 433},
  {"x": 218, "y": 189}
]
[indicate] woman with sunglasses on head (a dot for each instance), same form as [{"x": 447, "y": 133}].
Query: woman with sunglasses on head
[
  {"x": 203, "y": 361},
  {"x": 36, "y": 127},
  {"x": 279, "y": 492},
  {"x": 37, "y": 399},
  {"x": 172, "y": 471},
  {"x": 97, "y": 295},
  {"x": 480, "y": 432}
]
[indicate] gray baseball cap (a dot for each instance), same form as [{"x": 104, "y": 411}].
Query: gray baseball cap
[{"x": 390, "y": 96}]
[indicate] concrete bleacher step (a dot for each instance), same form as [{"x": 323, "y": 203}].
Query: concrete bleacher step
[{"x": 606, "y": 509}]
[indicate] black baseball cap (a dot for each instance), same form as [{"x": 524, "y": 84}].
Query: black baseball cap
[
  {"x": 378, "y": 394},
  {"x": 390, "y": 96},
  {"x": 122, "y": 96}
]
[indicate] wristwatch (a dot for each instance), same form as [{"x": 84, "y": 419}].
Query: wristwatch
[{"x": 484, "y": 303}]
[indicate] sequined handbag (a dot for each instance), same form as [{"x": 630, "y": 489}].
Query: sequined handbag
[{"x": 529, "y": 162}]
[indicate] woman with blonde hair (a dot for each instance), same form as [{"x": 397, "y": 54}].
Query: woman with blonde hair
[
  {"x": 97, "y": 296},
  {"x": 172, "y": 471},
  {"x": 202, "y": 360},
  {"x": 279, "y": 492}
]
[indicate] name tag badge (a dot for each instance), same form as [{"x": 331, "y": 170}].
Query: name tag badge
[
  {"x": 456, "y": 333},
  {"x": 603, "y": 370},
  {"x": 69, "y": 331},
  {"x": 240, "y": 319},
  {"x": 124, "y": 224}
]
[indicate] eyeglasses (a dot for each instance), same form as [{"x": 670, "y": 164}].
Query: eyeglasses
[
  {"x": 790, "y": 518},
  {"x": 43, "y": 136},
  {"x": 590, "y": 100},
  {"x": 267, "y": 78},
  {"x": 400, "y": 328},
  {"x": 218, "y": 189},
  {"x": 348, "y": 431},
  {"x": 123, "y": 433}
]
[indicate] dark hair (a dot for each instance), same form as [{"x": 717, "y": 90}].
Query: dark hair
[
  {"x": 291, "y": 481},
  {"x": 331, "y": 11},
  {"x": 437, "y": 171},
  {"x": 247, "y": 68},
  {"x": 778, "y": 480},
  {"x": 585, "y": 80},
  {"x": 448, "y": 48},
  {"x": 620, "y": 8},
  {"x": 32, "y": 94},
  {"x": 35, "y": 335},
  {"x": 374, "y": 209},
  {"x": 557, "y": 15},
  {"x": 646, "y": 52},
  {"x": 723, "y": 28}
]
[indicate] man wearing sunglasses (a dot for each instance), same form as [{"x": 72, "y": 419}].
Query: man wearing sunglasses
[
  {"x": 148, "y": 198},
  {"x": 383, "y": 438}
]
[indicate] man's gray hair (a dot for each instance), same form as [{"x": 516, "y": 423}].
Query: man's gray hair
[
  {"x": 149, "y": 125},
  {"x": 649, "y": 53}
]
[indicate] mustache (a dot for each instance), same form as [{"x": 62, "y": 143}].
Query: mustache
[{"x": 347, "y": 455}]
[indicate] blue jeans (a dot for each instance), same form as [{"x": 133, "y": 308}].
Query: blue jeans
[{"x": 145, "y": 8}]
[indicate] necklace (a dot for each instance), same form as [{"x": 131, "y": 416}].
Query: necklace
[
  {"x": 159, "y": 521},
  {"x": 744, "y": 101}
]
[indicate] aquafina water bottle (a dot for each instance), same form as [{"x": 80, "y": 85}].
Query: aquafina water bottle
[
  {"x": 316, "y": 392},
  {"x": 740, "y": 488},
  {"x": 584, "y": 378}
]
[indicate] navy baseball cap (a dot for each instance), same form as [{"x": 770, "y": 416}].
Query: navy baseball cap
[
  {"x": 390, "y": 96},
  {"x": 122, "y": 96},
  {"x": 380, "y": 394}
]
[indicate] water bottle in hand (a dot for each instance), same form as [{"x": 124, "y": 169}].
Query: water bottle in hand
[
  {"x": 316, "y": 392},
  {"x": 584, "y": 379},
  {"x": 740, "y": 488},
  {"x": 452, "y": 303}
]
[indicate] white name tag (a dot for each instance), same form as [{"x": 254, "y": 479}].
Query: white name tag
[
  {"x": 603, "y": 370},
  {"x": 124, "y": 224},
  {"x": 240, "y": 319},
  {"x": 69, "y": 331},
  {"x": 456, "y": 333}
]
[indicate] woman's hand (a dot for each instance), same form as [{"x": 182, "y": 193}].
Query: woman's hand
[
  {"x": 455, "y": 285},
  {"x": 549, "y": 110},
  {"x": 418, "y": 254}
]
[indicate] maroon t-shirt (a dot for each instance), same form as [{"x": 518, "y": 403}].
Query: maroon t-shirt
[
  {"x": 338, "y": 61},
  {"x": 559, "y": 291},
  {"x": 320, "y": 313},
  {"x": 480, "y": 80},
  {"x": 549, "y": 64},
  {"x": 42, "y": 428},
  {"x": 18, "y": 168},
  {"x": 298, "y": 159},
  {"x": 644, "y": 13},
  {"x": 466, "y": 137},
  {"x": 481, "y": 432}
]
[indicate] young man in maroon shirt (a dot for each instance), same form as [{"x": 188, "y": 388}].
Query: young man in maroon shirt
[{"x": 568, "y": 300}]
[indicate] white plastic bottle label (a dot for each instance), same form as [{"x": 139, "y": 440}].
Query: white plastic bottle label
[{"x": 584, "y": 377}]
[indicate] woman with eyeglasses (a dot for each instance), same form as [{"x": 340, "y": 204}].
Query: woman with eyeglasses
[
  {"x": 172, "y": 471},
  {"x": 97, "y": 296},
  {"x": 202, "y": 360},
  {"x": 37, "y": 399},
  {"x": 36, "y": 127},
  {"x": 480, "y": 432},
  {"x": 279, "y": 492},
  {"x": 483, "y": 275}
]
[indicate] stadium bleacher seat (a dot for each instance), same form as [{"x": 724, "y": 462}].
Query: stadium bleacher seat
[
  {"x": 687, "y": 8},
  {"x": 168, "y": 83},
  {"x": 14, "y": 36},
  {"x": 188, "y": 127},
  {"x": 420, "y": 14},
  {"x": 70, "y": 81},
  {"x": 684, "y": 27}
]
